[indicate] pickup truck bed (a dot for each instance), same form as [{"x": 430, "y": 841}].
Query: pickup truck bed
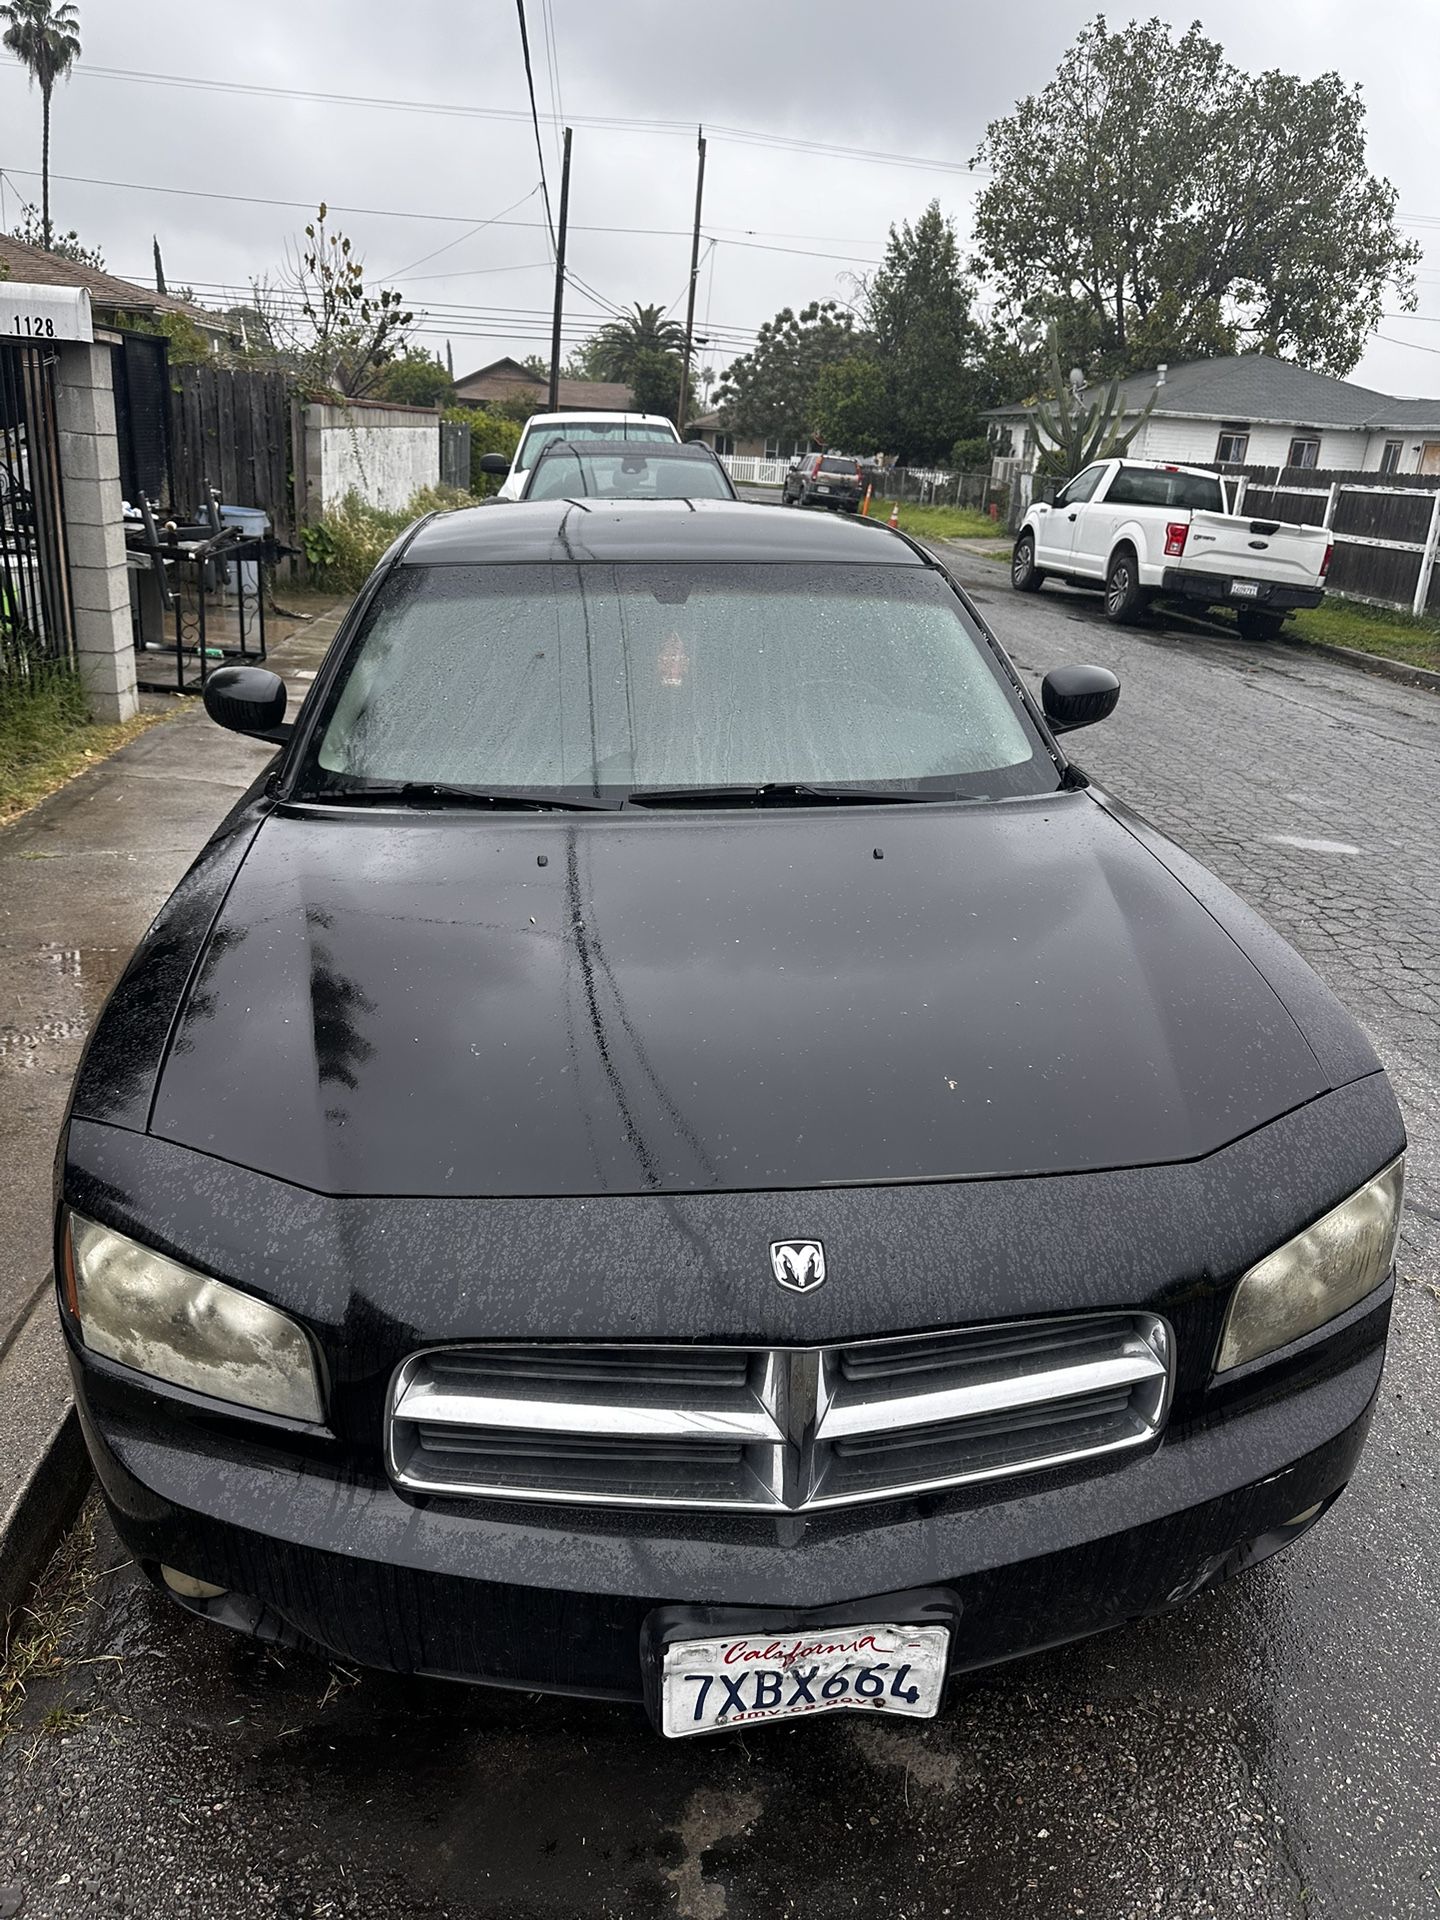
[{"x": 1142, "y": 529}]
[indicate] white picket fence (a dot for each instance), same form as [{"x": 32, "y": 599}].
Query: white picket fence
[{"x": 749, "y": 469}]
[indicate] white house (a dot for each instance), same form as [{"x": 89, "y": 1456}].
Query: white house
[{"x": 1252, "y": 410}]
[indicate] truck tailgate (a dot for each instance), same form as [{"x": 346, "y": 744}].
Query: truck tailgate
[{"x": 1257, "y": 549}]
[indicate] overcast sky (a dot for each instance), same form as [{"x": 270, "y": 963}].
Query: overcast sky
[{"x": 918, "y": 81}]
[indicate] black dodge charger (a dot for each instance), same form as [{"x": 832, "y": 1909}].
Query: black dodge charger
[{"x": 675, "y": 1148}]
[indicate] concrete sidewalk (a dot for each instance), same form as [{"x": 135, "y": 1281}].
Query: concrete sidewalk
[{"x": 81, "y": 877}]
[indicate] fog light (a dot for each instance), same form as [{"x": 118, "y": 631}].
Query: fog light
[{"x": 188, "y": 1587}]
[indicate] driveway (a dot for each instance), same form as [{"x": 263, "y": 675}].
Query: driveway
[{"x": 1273, "y": 1749}]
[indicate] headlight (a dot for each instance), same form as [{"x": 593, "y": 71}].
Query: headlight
[
  {"x": 150, "y": 1313},
  {"x": 1322, "y": 1271}
]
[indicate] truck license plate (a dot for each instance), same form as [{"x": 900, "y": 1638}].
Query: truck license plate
[
  {"x": 742, "y": 1679},
  {"x": 1244, "y": 589}
]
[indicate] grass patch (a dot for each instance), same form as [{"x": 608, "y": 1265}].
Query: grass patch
[
  {"x": 344, "y": 546},
  {"x": 35, "y": 1639},
  {"x": 1346, "y": 623},
  {"x": 47, "y": 736},
  {"x": 942, "y": 523}
]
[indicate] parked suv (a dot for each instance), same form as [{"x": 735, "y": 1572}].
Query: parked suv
[{"x": 824, "y": 480}]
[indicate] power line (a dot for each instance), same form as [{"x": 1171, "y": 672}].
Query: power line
[
  {"x": 535, "y": 120},
  {"x": 1415, "y": 346},
  {"x": 460, "y": 240},
  {"x": 612, "y": 123}
]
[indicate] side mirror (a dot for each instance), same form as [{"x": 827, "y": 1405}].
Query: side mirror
[
  {"x": 494, "y": 463},
  {"x": 1078, "y": 696},
  {"x": 247, "y": 700}
]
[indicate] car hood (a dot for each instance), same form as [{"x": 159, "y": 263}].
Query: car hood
[{"x": 406, "y": 1003}]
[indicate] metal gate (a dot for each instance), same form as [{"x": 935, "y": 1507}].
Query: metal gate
[{"x": 36, "y": 616}]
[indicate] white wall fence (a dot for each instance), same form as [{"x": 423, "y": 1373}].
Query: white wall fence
[
  {"x": 384, "y": 454},
  {"x": 750, "y": 470}
]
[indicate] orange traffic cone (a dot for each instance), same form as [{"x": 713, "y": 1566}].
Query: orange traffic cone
[
  {"x": 865, "y": 504},
  {"x": 894, "y": 520}
]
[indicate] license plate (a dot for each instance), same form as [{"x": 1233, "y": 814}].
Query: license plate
[
  {"x": 742, "y": 1679},
  {"x": 1244, "y": 589},
  {"x": 822, "y": 489}
]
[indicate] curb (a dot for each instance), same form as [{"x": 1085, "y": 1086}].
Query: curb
[
  {"x": 44, "y": 1468},
  {"x": 1378, "y": 663}
]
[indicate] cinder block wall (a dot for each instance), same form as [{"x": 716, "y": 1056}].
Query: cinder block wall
[
  {"x": 90, "y": 485},
  {"x": 384, "y": 454}
]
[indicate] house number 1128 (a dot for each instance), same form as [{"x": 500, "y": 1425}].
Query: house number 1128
[{"x": 36, "y": 326}]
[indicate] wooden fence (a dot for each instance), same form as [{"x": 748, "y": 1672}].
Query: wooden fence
[
  {"x": 231, "y": 429},
  {"x": 1386, "y": 529}
]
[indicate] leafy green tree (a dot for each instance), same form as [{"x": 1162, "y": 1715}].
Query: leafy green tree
[
  {"x": 848, "y": 405},
  {"x": 414, "y": 377},
  {"x": 772, "y": 389},
  {"x": 1155, "y": 203},
  {"x": 929, "y": 346},
  {"x": 65, "y": 246},
  {"x": 45, "y": 39},
  {"x": 655, "y": 382},
  {"x": 489, "y": 433},
  {"x": 620, "y": 342}
]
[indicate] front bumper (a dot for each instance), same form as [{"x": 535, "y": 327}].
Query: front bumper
[
  {"x": 556, "y": 1599},
  {"x": 1215, "y": 589}
]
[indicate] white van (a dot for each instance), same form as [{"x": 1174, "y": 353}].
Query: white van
[{"x": 542, "y": 428}]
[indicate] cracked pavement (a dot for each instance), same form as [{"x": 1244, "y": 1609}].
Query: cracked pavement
[{"x": 1272, "y": 1749}]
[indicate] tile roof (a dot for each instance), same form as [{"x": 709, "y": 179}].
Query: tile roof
[
  {"x": 33, "y": 266},
  {"x": 1257, "y": 387}
]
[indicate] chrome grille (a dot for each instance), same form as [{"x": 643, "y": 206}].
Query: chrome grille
[{"x": 776, "y": 1429}]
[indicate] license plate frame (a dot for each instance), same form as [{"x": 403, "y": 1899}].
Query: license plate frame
[
  {"x": 914, "y": 1630},
  {"x": 1244, "y": 589}
]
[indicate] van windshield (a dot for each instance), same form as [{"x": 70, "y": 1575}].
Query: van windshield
[{"x": 601, "y": 678}]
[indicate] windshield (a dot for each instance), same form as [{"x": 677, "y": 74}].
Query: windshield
[
  {"x": 596, "y": 679},
  {"x": 538, "y": 438},
  {"x": 847, "y": 467},
  {"x": 649, "y": 473}
]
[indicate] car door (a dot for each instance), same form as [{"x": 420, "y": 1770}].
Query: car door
[
  {"x": 1096, "y": 522},
  {"x": 1055, "y": 530}
]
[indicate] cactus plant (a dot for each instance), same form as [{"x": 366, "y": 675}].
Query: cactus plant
[{"x": 1073, "y": 434}]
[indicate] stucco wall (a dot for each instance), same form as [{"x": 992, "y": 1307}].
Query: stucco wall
[
  {"x": 386, "y": 455},
  {"x": 1194, "y": 443}
]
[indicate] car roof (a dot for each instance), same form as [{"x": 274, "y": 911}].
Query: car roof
[
  {"x": 555, "y": 531},
  {"x": 599, "y": 413}
]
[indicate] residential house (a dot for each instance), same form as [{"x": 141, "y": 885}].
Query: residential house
[
  {"x": 110, "y": 297},
  {"x": 707, "y": 427},
  {"x": 503, "y": 379},
  {"x": 1252, "y": 410}
]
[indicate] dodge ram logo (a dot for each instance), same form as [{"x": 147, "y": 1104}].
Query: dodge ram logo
[{"x": 798, "y": 1264}]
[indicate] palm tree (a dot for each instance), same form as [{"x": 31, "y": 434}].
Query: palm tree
[
  {"x": 620, "y": 342},
  {"x": 46, "y": 39}
]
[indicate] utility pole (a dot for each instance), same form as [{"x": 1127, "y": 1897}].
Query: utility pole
[
  {"x": 694, "y": 277},
  {"x": 560, "y": 275}
]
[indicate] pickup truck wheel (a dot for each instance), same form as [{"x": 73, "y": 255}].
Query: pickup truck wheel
[
  {"x": 1124, "y": 600},
  {"x": 1025, "y": 576},
  {"x": 1256, "y": 625}
]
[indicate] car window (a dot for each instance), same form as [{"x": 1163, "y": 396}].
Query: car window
[
  {"x": 646, "y": 474},
  {"x": 538, "y": 438},
  {"x": 1145, "y": 487},
  {"x": 598, "y": 678},
  {"x": 1080, "y": 488}
]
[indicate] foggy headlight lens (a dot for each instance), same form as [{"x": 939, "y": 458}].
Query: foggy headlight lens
[
  {"x": 150, "y": 1313},
  {"x": 1322, "y": 1271}
]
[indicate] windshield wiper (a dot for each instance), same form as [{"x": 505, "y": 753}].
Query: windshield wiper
[
  {"x": 783, "y": 793},
  {"x": 435, "y": 793}
]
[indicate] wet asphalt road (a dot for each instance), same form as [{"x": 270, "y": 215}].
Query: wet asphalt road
[{"x": 1272, "y": 1749}]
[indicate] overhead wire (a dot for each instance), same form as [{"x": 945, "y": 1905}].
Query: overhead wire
[{"x": 535, "y": 120}]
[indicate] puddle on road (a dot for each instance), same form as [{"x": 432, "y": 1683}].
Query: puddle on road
[{"x": 72, "y": 984}]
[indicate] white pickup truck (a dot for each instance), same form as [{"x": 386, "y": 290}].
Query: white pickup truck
[{"x": 1141, "y": 529}]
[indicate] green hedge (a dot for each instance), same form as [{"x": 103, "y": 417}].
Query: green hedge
[{"x": 345, "y": 545}]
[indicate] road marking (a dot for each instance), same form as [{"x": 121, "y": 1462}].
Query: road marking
[{"x": 1310, "y": 846}]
